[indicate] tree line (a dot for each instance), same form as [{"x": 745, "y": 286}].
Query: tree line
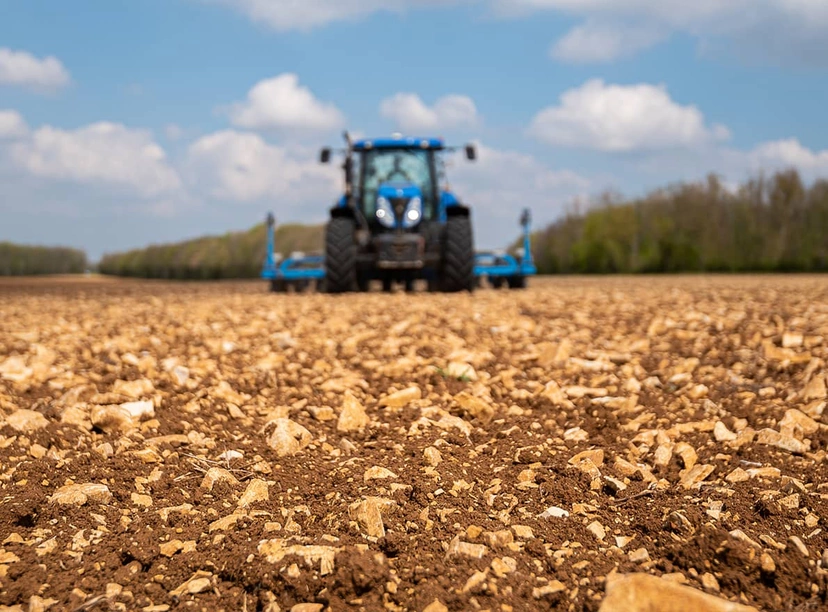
[
  {"x": 768, "y": 224},
  {"x": 232, "y": 255},
  {"x": 25, "y": 260}
]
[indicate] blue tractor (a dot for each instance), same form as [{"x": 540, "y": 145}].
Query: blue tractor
[
  {"x": 397, "y": 223},
  {"x": 394, "y": 223}
]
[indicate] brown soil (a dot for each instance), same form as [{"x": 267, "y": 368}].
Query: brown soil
[{"x": 637, "y": 366}]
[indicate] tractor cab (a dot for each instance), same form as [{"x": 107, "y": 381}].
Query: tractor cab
[
  {"x": 397, "y": 188},
  {"x": 394, "y": 183},
  {"x": 397, "y": 185}
]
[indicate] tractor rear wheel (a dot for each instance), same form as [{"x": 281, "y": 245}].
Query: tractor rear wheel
[
  {"x": 340, "y": 256},
  {"x": 457, "y": 273}
]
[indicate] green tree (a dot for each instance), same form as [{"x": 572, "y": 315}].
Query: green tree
[{"x": 767, "y": 224}]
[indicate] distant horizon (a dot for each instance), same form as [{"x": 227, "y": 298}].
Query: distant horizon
[{"x": 135, "y": 123}]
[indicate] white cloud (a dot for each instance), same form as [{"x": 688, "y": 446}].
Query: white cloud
[
  {"x": 734, "y": 166},
  {"x": 281, "y": 103},
  {"x": 410, "y": 113},
  {"x": 619, "y": 118},
  {"x": 107, "y": 153},
  {"x": 501, "y": 183},
  {"x": 597, "y": 41},
  {"x": 789, "y": 153},
  {"x": 512, "y": 169},
  {"x": 773, "y": 28},
  {"x": 241, "y": 166},
  {"x": 24, "y": 69},
  {"x": 283, "y": 15},
  {"x": 678, "y": 11},
  {"x": 12, "y": 125}
]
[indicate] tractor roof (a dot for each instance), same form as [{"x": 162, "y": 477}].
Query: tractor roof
[{"x": 399, "y": 142}]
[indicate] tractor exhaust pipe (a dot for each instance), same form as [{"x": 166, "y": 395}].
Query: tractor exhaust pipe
[{"x": 348, "y": 166}]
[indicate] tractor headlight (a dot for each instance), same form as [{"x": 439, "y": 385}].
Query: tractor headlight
[
  {"x": 413, "y": 213},
  {"x": 384, "y": 213}
]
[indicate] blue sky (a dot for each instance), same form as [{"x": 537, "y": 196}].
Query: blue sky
[{"x": 126, "y": 123}]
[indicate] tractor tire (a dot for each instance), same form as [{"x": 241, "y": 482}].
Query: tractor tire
[
  {"x": 457, "y": 270},
  {"x": 517, "y": 282},
  {"x": 277, "y": 285},
  {"x": 340, "y": 256},
  {"x": 496, "y": 282}
]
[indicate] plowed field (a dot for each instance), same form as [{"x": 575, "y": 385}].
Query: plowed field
[{"x": 173, "y": 446}]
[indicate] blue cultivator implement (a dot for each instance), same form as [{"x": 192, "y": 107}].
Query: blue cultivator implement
[
  {"x": 297, "y": 272},
  {"x": 396, "y": 224},
  {"x": 301, "y": 271},
  {"x": 500, "y": 268}
]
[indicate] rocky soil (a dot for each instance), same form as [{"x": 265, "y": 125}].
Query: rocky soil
[{"x": 585, "y": 444}]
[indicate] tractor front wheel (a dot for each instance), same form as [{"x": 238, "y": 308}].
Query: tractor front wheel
[
  {"x": 340, "y": 256},
  {"x": 457, "y": 272}
]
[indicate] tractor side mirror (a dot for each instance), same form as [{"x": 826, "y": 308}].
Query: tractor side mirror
[
  {"x": 471, "y": 153},
  {"x": 325, "y": 155}
]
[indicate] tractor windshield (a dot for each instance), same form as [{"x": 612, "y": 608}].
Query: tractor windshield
[{"x": 413, "y": 166}]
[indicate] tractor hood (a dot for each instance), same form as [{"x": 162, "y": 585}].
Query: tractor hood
[
  {"x": 399, "y": 190},
  {"x": 399, "y": 205}
]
